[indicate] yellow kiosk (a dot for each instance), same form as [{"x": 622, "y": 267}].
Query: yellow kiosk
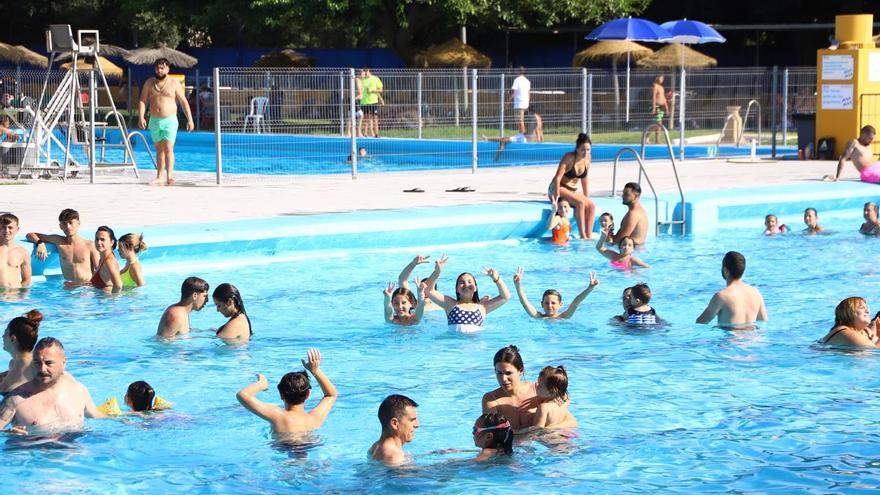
[{"x": 848, "y": 83}]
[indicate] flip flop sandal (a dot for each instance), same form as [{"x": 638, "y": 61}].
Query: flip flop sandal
[{"x": 414, "y": 190}]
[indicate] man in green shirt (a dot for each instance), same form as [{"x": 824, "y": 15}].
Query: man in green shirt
[{"x": 371, "y": 97}]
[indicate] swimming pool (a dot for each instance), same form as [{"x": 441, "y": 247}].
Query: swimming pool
[
  {"x": 675, "y": 410},
  {"x": 276, "y": 154}
]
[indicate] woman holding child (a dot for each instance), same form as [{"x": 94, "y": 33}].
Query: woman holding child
[{"x": 573, "y": 168}]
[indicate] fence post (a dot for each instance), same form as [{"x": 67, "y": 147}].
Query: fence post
[
  {"x": 93, "y": 93},
  {"x": 17, "y": 89},
  {"x": 584, "y": 100},
  {"x": 342, "y": 104},
  {"x": 681, "y": 120},
  {"x": 198, "y": 125},
  {"x": 419, "y": 93},
  {"x": 501, "y": 104},
  {"x": 217, "y": 133},
  {"x": 474, "y": 121},
  {"x": 130, "y": 110},
  {"x": 352, "y": 111},
  {"x": 775, "y": 83},
  {"x": 785, "y": 107},
  {"x": 589, "y": 103}
]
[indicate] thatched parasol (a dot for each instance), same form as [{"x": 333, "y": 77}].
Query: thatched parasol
[
  {"x": 286, "y": 57},
  {"x": 30, "y": 57},
  {"x": 148, "y": 56},
  {"x": 452, "y": 54},
  {"x": 677, "y": 55},
  {"x": 617, "y": 51},
  {"x": 110, "y": 69}
]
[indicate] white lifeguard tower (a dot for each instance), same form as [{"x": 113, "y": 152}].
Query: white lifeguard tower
[{"x": 66, "y": 122}]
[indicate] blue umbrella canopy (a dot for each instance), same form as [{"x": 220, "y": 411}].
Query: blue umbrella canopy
[
  {"x": 692, "y": 32},
  {"x": 631, "y": 29}
]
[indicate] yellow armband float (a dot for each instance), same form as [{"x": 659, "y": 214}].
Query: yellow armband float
[
  {"x": 160, "y": 403},
  {"x": 111, "y": 407}
]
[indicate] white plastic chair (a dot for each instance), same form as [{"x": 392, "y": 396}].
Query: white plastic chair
[{"x": 257, "y": 112}]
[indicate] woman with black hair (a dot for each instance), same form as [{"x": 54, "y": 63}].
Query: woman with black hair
[
  {"x": 465, "y": 312},
  {"x": 573, "y": 168},
  {"x": 228, "y": 301}
]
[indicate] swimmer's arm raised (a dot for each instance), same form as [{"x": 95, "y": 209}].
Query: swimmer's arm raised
[
  {"x": 521, "y": 293},
  {"x": 39, "y": 239},
  {"x": 504, "y": 294},
  {"x": 569, "y": 311},
  {"x": 711, "y": 310},
  {"x": 247, "y": 398},
  {"x": 403, "y": 278},
  {"x": 389, "y": 311},
  {"x": 443, "y": 301},
  {"x": 421, "y": 296},
  {"x": 600, "y": 246},
  {"x": 320, "y": 412}
]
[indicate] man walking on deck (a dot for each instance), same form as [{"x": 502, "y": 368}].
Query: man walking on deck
[{"x": 161, "y": 92}]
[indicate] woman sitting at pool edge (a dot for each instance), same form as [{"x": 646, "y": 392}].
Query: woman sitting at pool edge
[
  {"x": 853, "y": 325},
  {"x": 573, "y": 168},
  {"x": 465, "y": 312},
  {"x": 228, "y": 301}
]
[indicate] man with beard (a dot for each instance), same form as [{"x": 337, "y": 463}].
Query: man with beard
[
  {"x": 175, "y": 319},
  {"x": 635, "y": 222},
  {"x": 859, "y": 151},
  {"x": 52, "y": 401},
  {"x": 162, "y": 91}
]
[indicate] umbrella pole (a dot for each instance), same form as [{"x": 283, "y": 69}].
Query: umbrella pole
[
  {"x": 616, "y": 85},
  {"x": 627, "y": 88}
]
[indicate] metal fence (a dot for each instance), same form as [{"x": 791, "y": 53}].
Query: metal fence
[{"x": 270, "y": 124}]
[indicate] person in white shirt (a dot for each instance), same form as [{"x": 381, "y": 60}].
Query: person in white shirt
[{"x": 519, "y": 95}]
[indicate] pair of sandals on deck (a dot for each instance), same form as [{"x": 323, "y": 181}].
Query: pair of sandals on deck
[{"x": 457, "y": 189}]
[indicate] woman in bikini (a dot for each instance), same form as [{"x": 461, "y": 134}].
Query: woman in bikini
[
  {"x": 129, "y": 247},
  {"x": 853, "y": 325},
  {"x": 106, "y": 276},
  {"x": 516, "y": 399},
  {"x": 466, "y": 311},
  {"x": 18, "y": 340},
  {"x": 573, "y": 168},
  {"x": 228, "y": 301}
]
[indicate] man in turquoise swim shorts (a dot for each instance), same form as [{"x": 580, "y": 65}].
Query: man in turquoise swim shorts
[{"x": 163, "y": 93}]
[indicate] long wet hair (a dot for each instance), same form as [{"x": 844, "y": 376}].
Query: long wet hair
[
  {"x": 225, "y": 292},
  {"x": 510, "y": 355},
  {"x": 476, "y": 297},
  {"x": 25, "y": 329},
  {"x": 141, "y": 395},
  {"x": 502, "y": 438},
  {"x": 109, "y": 231},
  {"x": 581, "y": 140}
]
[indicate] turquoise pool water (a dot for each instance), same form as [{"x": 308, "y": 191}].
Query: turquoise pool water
[{"x": 681, "y": 409}]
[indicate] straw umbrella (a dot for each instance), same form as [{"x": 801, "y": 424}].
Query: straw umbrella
[
  {"x": 30, "y": 57},
  {"x": 676, "y": 55},
  {"x": 110, "y": 69},
  {"x": 452, "y": 54},
  {"x": 286, "y": 57},
  {"x": 148, "y": 56},
  {"x": 617, "y": 51}
]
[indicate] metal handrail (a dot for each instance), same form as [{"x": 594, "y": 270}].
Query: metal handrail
[
  {"x": 724, "y": 128},
  {"x": 146, "y": 145},
  {"x": 746, "y": 120},
  {"x": 642, "y": 169}
]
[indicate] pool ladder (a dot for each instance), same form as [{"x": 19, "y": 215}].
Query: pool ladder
[
  {"x": 739, "y": 139},
  {"x": 640, "y": 158}
]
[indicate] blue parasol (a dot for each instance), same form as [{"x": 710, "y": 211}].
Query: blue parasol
[
  {"x": 630, "y": 29},
  {"x": 692, "y": 32}
]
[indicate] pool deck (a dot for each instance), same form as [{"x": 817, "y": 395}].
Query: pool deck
[{"x": 120, "y": 201}]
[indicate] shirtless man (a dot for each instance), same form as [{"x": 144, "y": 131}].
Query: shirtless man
[
  {"x": 738, "y": 305},
  {"x": 635, "y": 222},
  {"x": 859, "y": 152},
  {"x": 78, "y": 256},
  {"x": 175, "y": 319},
  {"x": 52, "y": 401},
  {"x": 15, "y": 261},
  {"x": 162, "y": 91},
  {"x": 399, "y": 420},
  {"x": 659, "y": 105}
]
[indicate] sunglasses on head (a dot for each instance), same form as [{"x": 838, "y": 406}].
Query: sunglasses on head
[{"x": 502, "y": 426}]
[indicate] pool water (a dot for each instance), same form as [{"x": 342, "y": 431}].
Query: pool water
[{"x": 679, "y": 409}]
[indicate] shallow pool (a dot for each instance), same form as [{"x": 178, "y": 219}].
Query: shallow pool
[{"x": 681, "y": 409}]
